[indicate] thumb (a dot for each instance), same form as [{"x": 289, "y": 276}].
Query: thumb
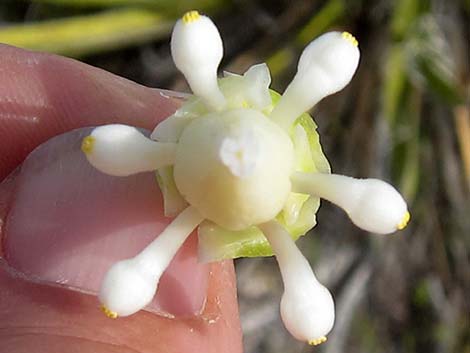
[{"x": 62, "y": 224}]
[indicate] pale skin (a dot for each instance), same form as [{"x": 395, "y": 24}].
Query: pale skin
[{"x": 45, "y": 318}]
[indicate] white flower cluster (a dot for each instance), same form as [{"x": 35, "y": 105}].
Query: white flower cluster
[{"x": 234, "y": 163}]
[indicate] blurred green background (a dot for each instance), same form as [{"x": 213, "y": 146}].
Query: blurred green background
[{"x": 404, "y": 118}]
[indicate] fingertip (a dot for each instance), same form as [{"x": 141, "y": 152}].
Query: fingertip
[
  {"x": 27, "y": 304},
  {"x": 44, "y": 95},
  {"x": 68, "y": 224}
]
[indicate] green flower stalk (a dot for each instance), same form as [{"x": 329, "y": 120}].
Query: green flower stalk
[{"x": 242, "y": 160}]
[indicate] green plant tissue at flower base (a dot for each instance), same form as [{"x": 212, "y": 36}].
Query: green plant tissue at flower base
[{"x": 298, "y": 215}]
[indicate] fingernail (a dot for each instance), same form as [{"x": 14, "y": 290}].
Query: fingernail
[{"x": 68, "y": 223}]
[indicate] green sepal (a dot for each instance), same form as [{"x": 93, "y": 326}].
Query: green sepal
[{"x": 173, "y": 202}]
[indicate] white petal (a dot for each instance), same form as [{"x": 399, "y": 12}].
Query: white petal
[
  {"x": 372, "y": 204},
  {"x": 123, "y": 150},
  {"x": 131, "y": 284},
  {"x": 326, "y": 66},
  {"x": 307, "y": 307},
  {"x": 257, "y": 81},
  {"x": 197, "y": 50}
]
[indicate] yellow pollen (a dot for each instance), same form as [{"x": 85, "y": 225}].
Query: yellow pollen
[
  {"x": 404, "y": 221},
  {"x": 239, "y": 154},
  {"x": 109, "y": 313},
  {"x": 245, "y": 104},
  {"x": 87, "y": 144},
  {"x": 317, "y": 341},
  {"x": 191, "y": 16},
  {"x": 350, "y": 38}
]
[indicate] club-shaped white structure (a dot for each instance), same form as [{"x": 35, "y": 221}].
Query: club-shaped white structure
[
  {"x": 326, "y": 66},
  {"x": 235, "y": 165},
  {"x": 372, "y": 204},
  {"x": 197, "y": 49},
  {"x": 131, "y": 284},
  {"x": 307, "y": 307},
  {"x": 122, "y": 150}
]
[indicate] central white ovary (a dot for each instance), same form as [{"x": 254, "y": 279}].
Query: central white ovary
[{"x": 235, "y": 167}]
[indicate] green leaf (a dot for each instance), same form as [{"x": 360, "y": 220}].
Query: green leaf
[
  {"x": 173, "y": 7},
  {"x": 331, "y": 12},
  {"x": 430, "y": 59},
  {"x": 101, "y": 3},
  {"x": 83, "y": 35},
  {"x": 405, "y": 13},
  {"x": 327, "y": 16},
  {"x": 394, "y": 82},
  {"x": 438, "y": 81}
]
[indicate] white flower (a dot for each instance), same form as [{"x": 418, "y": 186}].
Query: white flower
[{"x": 234, "y": 158}]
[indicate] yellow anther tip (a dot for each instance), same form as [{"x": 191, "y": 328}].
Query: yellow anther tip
[
  {"x": 317, "y": 341},
  {"x": 404, "y": 221},
  {"x": 109, "y": 313},
  {"x": 190, "y": 16},
  {"x": 87, "y": 144},
  {"x": 350, "y": 38}
]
